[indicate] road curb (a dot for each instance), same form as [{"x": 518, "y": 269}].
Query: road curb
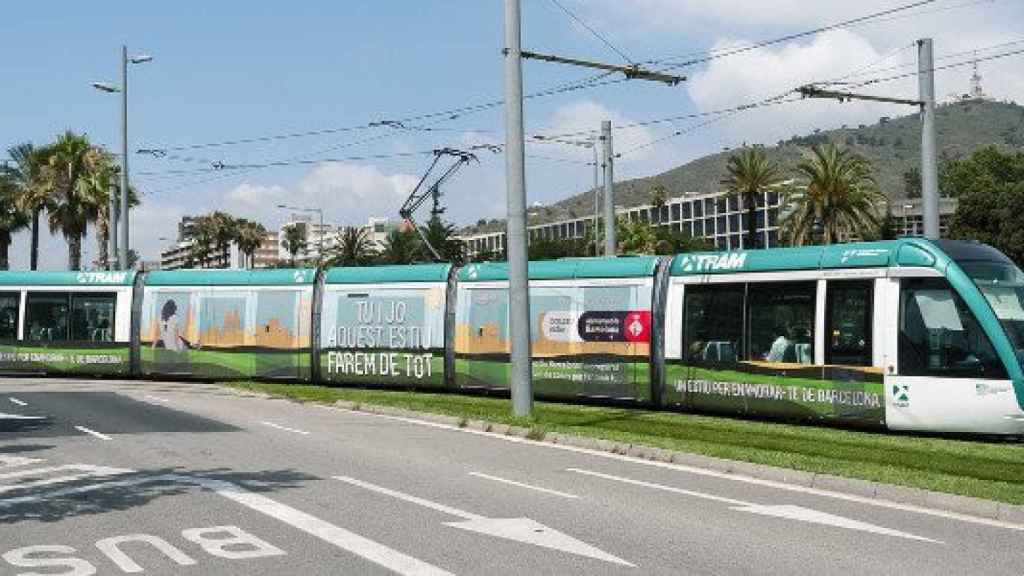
[{"x": 941, "y": 501}]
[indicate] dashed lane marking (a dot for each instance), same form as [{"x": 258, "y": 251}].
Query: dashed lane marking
[
  {"x": 522, "y": 485},
  {"x": 38, "y": 477},
  {"x": 731, "y": 477},
  {"x": 93, "y": 433},
  {"x": 522, "y": 530},
  {"x": 788, "y": 512},
  {"x": 285, "y": 428},
  {"x": 18, "y": 402},
  {"x": 16, "y": 461}
]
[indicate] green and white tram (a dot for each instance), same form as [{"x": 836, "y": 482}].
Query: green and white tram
[{"x": 906, "y": 334}]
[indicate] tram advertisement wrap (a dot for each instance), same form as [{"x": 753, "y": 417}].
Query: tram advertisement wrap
[
  {"x": 259, "y": 332},
  {"x": 74, "y": 358},
  {"x": 384, "y": 336},
  {"x": 586, "y": 341},
  {"x": 805, "y": 392}
]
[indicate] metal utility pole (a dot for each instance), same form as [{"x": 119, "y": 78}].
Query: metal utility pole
[
  {"x": 122, "y": 257},
  {"x": 112, "y": 229},
  {"x": 929, "y": 149},
  {"x": 521, "y": 377},
  {"x": 609, "y": 190},
  {"x": 597, "y": 200},
  {"x": 929, "y": 160}
]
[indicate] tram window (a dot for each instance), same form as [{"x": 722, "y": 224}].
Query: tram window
[
  {"x": 939, "y": 335},
  {"x": 780, "y": 320},
  {"x": 9, "y": 304},
  {"x": 848, "y": 323},
  {"x": 47, "y": 316},
  {"x": 713, "y": 323},
  {"x": 92, "y": 317}
]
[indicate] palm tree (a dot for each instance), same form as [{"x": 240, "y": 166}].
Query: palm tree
[
  {"x": 31, "y": 195},
  {"x": 102, "y": 182},
  {"x": 250, "y": 236},
  {"x": 402, "y": 247},
  {"x": 837, "y": 197},
  {"x": 750, "y": 174},
  {"x": 74, "y": 203},
  {"x": 659, "y": 199},
  {"x": 202, "y": 240},
  {"x": 353, "y": 247},
  {"x": 12, "y": 219},
  {"x": 224, "y": 229},
  {"x": 442, "y": 237},
  {"x": 294, "y": 240}
]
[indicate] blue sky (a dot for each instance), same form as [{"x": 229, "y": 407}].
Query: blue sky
[{"x": 230, "y": 70}]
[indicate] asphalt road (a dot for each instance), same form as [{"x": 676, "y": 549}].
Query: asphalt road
[{"x": 162, "y": 478}]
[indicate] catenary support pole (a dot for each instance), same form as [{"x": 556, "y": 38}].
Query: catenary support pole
[
  {"x": 597, "y": 201},
  {"x": 122, "y": 256},
  {"x": 112, "y": 228},
  {"x": 609, "y": 190},
  {"x": 929, "y": 160},
  {"x": 521, "y": 382}
]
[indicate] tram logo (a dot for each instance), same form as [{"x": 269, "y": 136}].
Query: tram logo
[
  {"x": 901, "y": 395},
  {"x": 100, "y": 277},
  {"x": 709, "y": 262}
]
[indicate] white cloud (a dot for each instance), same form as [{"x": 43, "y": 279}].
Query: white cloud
[
  {"x": 580, "y": 121},
  {"x": 348, "y": 194},
  {"x": 757, "y": 75}
]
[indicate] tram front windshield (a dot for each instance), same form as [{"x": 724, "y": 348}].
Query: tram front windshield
[{"x": 1002, "y": 283}]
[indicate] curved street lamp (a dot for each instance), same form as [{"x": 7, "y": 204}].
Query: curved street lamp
[{"x": 122, "y": 256}]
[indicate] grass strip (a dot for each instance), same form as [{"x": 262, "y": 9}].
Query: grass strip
[{"x": 992, "y": 470}]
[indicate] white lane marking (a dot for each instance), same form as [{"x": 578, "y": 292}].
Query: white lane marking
[
  {"x": 285, "y": 428},
  {"x": 93, "y": 433},
  {"x": 410, "y": 498},
  {"x": 334, "y": 535},
  {"x": 5, "y": 416},
  {"x": 84, "y": 471},
  {"x": 156, "y": 398},
  {"x": 789, "y": 512},
  {"x": 522, "y": 485},
  {"x": 15, "y": 461},
  {"x": 522, "y": 530},
  {"x": 701, "y": 472},
  {"x": 18, "y": 402}
]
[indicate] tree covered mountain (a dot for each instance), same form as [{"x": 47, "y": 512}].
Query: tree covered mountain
[{"x": 892, "y": 145}]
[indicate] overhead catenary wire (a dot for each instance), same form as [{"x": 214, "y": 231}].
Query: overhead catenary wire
[
  {"x": 795, "y": 36},
  {"x": 594, "y": 32},
  {"x": 595, "y": 81},
  {"x": 970, "y": 62}
]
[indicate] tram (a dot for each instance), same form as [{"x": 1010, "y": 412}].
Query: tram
[{"x": 907, "y": 334}]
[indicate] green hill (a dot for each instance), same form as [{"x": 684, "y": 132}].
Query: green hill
[{"x": 892, "y": 145}]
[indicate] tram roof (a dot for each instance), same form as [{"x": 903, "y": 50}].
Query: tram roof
[
  {"x": 566, "y": 268},
  {"x": 380, "y": 274},
  {"x": 270, "y": 277},
  {"x": 917, "y": 252},
  {"x": 27, "y": 278}
]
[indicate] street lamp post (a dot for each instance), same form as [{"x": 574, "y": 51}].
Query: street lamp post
[
  {"x": 320, "y": 236},
  {"x": 122, "y": 256}
]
